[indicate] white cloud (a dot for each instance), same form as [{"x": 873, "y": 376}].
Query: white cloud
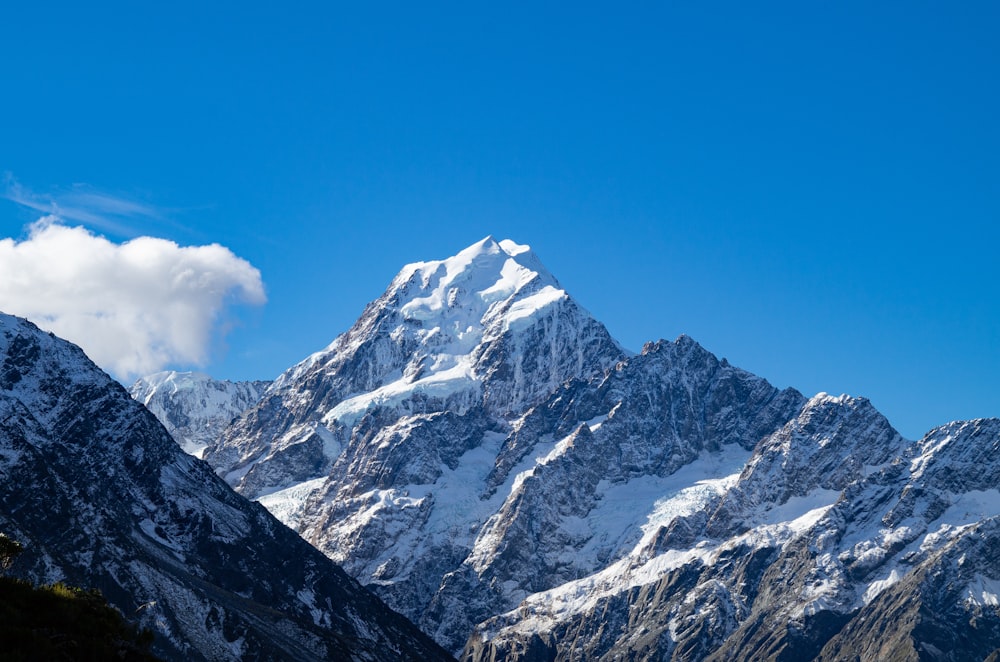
[{"x": 134, "y": 307}]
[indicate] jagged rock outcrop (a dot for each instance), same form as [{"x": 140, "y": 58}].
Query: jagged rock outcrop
[{"x": 100, "y": 496}]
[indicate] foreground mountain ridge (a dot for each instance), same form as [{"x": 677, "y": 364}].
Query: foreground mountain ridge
[
  {"x": 480, "y": 452},
  {"x": 100, "y": 496}
]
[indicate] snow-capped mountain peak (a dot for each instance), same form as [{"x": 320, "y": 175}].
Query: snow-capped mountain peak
[
  {"x": 496, "y": 269},
  {"x": 479, "y": 450},
  {"x": 483, "y": 290},
  {"x": 437, "y": 313},
  {"x": 488, "y": 327}
]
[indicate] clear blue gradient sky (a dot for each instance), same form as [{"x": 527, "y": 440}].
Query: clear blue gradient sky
[{"x": 810, "y": 189}]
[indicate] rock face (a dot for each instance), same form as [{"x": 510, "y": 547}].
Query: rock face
[
  {"x": 193, "y": 407},
  {"x": 477, "y": 437},
  {"x": 892, "y": 555},
  {"x": 484, "y": 456},
  {"x": 101, "y": 496}
]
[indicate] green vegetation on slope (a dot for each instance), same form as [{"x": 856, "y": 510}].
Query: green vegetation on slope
[{"x": 59, "y": 622}]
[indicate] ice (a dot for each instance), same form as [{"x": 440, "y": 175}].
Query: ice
[
  {"x": 440, "y": 384},
  {"x": 287, "y": 504},
  {"x": 880, "y": 585},
  {"x": 693, "y": 486},
  {"x": 529, "y": 306},
  {"x": 983, "y": 591}
]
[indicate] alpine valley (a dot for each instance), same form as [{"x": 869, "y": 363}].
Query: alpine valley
[{"x": 483, "y": 456}]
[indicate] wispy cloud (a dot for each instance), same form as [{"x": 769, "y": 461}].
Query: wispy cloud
[{"x": 82, "y": 204}]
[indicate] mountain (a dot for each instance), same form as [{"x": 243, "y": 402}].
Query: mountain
[
  {"x": 100, "y": 496},
  {"x": 479, "y": 452},
  {"x": 477, "y": 437},
  {"x": 480, "y": 335},
  {"x": 193, "y": 407},
  {"x": 893, "y": 556}
]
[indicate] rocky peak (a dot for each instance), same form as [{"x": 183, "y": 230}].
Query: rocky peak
[{"x": 488, "y": 328}]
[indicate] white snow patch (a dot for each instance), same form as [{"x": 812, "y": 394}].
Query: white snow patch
[
  {"x": 880, "y": 585},
  {"x": 441, "y": 384},
  {"x": 526, "y": 308},
  {"x": 148, "y": 527},
  {"x": 693, "y": 486},
  {"x": 928, "y": 449},
  {"x": 331, "y": 447},
  {"x": 596, "y": 422},
  {"x": 288, "y": 504},
  {"x": 513, "y": 277},
  {"x": 512, "y": 248},
  {"x": 800, "y": 511},
  {"x": 983, "y": 591},
  {"x": 541, "y": 611},
  {"x": 971, "y": 507}
]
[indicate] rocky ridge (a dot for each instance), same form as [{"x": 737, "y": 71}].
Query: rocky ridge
[{"x": 101, "y": 496}]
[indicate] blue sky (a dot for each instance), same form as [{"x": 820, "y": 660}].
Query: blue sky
[{"x": 809, "y": 189}]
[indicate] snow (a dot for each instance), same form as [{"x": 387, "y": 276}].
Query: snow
[
  {"x": 486, "y": 268},
  {"x": 692, "y": 487},
  {"x": 148, "y": 527},
  {"x": 970, "y": 507},
  {"x": 308, "y": 598},
  {"x": 331, "y": 447},
  {"x": 879, "y": 585},
  {"x": 442, "y": 384},
  {"x": 983, "y": 591},
  {"x": 803, "y": 511},
  {"x": 823, "y": 397},
  {"x": 689, "y": 489},
  {"x": 206, "y": 405},
  {"x": 540, "y": 611},
  {"x": 596, "y": 422},
  {"x": 451, "y": 509},
  {"x": 288, "y": 504},
  {"x": 928, "y": 450},
  {"x": 528, "y": 307},
  {"x": 513, "y": 277},
  {"x": 512, "y": 249},
  {"x": 453, "y": 303}
]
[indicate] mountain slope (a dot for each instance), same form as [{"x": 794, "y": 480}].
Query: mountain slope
[
  {"x": 101, "y": 496},
  {"x": 488, "y": 329}
]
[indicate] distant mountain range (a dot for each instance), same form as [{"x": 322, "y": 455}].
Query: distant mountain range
[{"x": 479, "y": 452}]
